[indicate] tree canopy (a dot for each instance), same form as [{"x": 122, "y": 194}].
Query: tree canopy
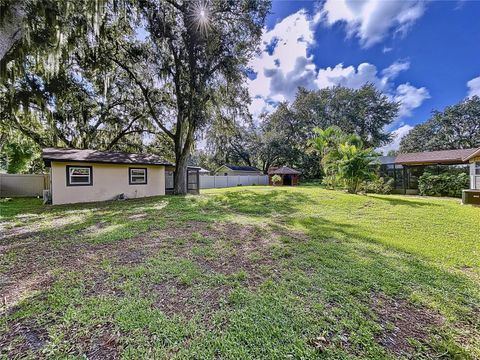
[{"x": 457, "y": 127}]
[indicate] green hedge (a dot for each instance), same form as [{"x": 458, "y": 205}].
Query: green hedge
[{"x": 445, "y": 184}]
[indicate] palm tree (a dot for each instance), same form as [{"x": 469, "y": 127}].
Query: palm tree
[{"x": 355, "y": 165}]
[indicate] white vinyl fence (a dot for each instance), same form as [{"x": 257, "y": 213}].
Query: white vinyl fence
[
  {"x": 18, "y": 185},
  {"x": 210, "y": 182}
]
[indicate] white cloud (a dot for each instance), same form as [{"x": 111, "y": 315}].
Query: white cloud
[
  {"x": 397, "y": 137},
  {"x": 355, "y": 78},
  {"x": 286, "y": 62},
  {"x": 372, "y": 20},
  {"x": 409, "y": 98},
  {"x": 474, "y": 87},
  {"x": 260, "y": 106}
]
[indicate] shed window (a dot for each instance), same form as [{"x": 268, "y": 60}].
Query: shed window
[
  {"x": 79, "y": 176},
  {"x": 137, "y": 176},
  {"x": 477, "y": 168}
]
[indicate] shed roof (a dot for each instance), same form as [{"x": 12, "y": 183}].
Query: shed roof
[
  {"x": 436, "y": 157},
  {"x": 95, "y": 156},
  {"x": 284, "y": 170},
  {"x": 241, "y": 168}
]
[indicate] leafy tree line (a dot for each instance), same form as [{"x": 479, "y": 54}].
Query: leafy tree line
[
  {"x": 457, "y": 127},
  {"x": 281, "y": 138}
]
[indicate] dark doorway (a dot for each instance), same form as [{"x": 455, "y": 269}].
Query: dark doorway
[
  {"x": 287, "y": 180},
  {"x": 193, "y": 180}
]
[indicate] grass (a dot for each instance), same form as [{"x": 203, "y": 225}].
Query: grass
[{"x": 252, "y": 272}]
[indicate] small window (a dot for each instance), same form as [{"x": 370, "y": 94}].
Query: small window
[
  {"x": 477, "y": 168},
  {"x": 79, "y": 176},
  {"x": 137, "y": 176}
]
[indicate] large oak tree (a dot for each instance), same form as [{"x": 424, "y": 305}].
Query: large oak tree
[{"x": 457, "y": 127}]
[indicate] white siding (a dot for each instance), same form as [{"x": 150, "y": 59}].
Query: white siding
[{"x": 109, "y": 180}]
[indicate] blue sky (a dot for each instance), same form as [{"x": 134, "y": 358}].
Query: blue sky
[{"x": 425, "y": 54}]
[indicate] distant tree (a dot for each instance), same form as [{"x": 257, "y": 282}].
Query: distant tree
[
  {"x": 286, "y": 132},
  {"x": 457, "y": 127},
  {"x": 365, "y": 112}
]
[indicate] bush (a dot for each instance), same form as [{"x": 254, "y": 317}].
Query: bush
[
  {"x": 445, "y": 184},
  {"x": 378, "y": 186},
  {"x": 276, "y": 179}
]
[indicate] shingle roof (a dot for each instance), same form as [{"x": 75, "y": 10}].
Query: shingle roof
[
  {"x": 241, "y": 168},
  {"x": 95, "y": 156},
  {"x": 284, "y": 170},
  {"x": 435, "y": 157}
]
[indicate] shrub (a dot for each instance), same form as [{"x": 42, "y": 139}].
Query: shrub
[
  {"x": 276, "y": 179},
  {"x": 355, "y": 166},
  {"x": 332, "y": 182},
  {"x": 378, "y": 186},
  {"x": 445, "y": 184}
]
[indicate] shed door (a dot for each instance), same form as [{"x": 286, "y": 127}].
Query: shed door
[{"x": 169, "y": 184}]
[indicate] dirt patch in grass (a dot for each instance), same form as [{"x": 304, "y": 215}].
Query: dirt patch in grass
[
  {"x": 401, "y": 322},
  {"x": 237, "y": 248},
  {"x": 22, "y": 338},
  {"x": 176, "y": 298},
  {"x": 103, "y": 345}
]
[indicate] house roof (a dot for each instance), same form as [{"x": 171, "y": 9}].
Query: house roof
[
  {"x": 95, "y": 156},
  {"x": 436, "y": 157},
  {"x": 241, "y": 168},
  {"x": 284, "y": 170},
  {"x": 472, "y": 155}
]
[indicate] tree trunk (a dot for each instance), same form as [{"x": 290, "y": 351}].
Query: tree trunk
[
  {"x": 182, "y": 153},
  {"x": 180, "y": 175},
  {"x": 11, "y": 31}
]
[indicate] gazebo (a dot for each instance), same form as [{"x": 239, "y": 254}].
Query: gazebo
[{"x": 289, "y": 176}]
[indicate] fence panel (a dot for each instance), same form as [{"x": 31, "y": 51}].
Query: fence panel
[
  {"x": 210, "y": 182},
  {"x": 23, "y": 185}
]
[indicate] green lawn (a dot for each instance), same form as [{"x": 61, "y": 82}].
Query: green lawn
[{"x": 240, "y": 273}]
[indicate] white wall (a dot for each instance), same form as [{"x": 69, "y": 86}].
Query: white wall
[
  {"x": 210, "y": 182},
  {"x": 474, "y": 179},
  {"x": 18, "y": 185},
  {"x": 109, "y": 180}
]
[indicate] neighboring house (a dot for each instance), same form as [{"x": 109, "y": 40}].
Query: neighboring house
[
  {"x": 91, "y": 175},
  {"x": 406, "y": 168},
  {"x": 288, "y": 175},
  {"x": 203, "y": 171},
  {"x": 229, "y": 169}
]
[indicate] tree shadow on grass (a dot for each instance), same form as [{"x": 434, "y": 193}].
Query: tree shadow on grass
[
  {"x": 396, "y": 201},
  {"x": 372, "y": 264},
  {"x": 255, "y": 203}
]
